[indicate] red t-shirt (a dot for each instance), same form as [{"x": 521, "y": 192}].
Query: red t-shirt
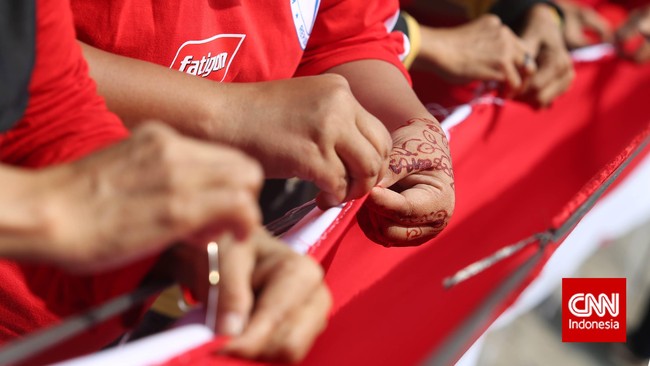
[
  {"x": 242, "y": 40},
  {"x": 65, "y": 119}
]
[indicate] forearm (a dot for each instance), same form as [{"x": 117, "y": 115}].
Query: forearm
[
  {"x": 434, "y": 47},
  {"x": 23, "y": 216},
  {"x": 138, "y": 91},
  {"x": 388, "y": 97}
]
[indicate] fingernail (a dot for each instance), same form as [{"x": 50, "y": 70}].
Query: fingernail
[{"x": 232, "y": 324}]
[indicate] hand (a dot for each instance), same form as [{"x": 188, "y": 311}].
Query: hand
[
  {"x": 312, "y": 128},
  {"x": 543, "y": 34},
  {"x": 272, "y": 301},
  {"x": 415, "y": 200},
  {"x": 635, "y": 29},
  {"x": 135, "y": 198},
  {"x": 496, "y": 53},
  {"x": 577, "y": 19}
]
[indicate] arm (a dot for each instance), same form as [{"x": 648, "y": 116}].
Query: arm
[
  {"x": 139, "y": 91},
  {"x": 283, "y": 124},
  {"x": 127, "y": 202},
  {"x": 23, "y": 220}
]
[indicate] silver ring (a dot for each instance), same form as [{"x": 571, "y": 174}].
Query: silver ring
[{"x": 213, "y": 280}]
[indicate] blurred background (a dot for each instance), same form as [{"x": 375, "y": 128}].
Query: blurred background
[{"x": 535, "y": 338}]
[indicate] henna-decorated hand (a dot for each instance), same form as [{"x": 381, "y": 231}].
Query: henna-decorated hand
[{"x": 415, "y": 199}]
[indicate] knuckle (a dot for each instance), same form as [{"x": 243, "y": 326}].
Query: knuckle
[
  {"x": 243, "y": 202},
  {"x": 154, "y": 133},
  {"x": 173, "y": 212},
  {"x": 334, "y": 182},
  {"x": 312, "y": 272},
  {"x": 167, "y": 175},
  {"x": 337, "y": 81},
  {"x": 504, "y": 32},
  {"x": 338, "y": 91},
  {"x": 371, "y": 168},
  {"x": 491, "y": 20},
  {"x": 253, "y": 176}
]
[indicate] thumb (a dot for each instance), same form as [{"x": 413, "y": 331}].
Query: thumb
[
  {"x": 236, "y": 262},
  {"x": 394, "y": 173}
]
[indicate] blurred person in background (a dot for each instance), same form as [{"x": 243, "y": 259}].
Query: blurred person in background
[
  {"x": 517, "y": 43},
  {"x": 585, "y": 26}
]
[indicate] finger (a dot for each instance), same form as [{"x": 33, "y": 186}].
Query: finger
[
  {"x": 594, "y": 21},
  {"x": 375, "y": 132},
  {"x": 206, "y": 213},
  {"x": 295, "y": 336},
  {"x": 331, "y": 177},
  {"x": 285, "y": 290},
  {"x": 487, "y": 72},
  {"x": 236, "y": 263},
  {"x": 391, "y": 231},
  {"x": 509, "y": 68},
  {"x": 555, "y": 88},
  {"x": 405, "y": 236},
  {"x": 190, "y": 167},
  {"x": 525, "y": 60},
  {"x": 554, "y": 66},
  {"x": 574, "y": 34},
  {"x": 389, "y": 203},
  {"x": 363, "y": 164},
  {"x": 421, "y": 198},
  {"x": 161, "y": 220}
]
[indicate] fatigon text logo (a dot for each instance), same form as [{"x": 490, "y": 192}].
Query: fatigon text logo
[
  {"x": 208, "y": 58},
  {"x": 593, "y": 310}
]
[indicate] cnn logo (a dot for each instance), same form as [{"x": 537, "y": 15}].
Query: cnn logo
[
  {"x": 584, "y": 305},
  {"x": 593, "y": 310}
]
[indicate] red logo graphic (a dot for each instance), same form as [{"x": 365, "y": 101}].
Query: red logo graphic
[
  {"x": 593, "y": 310},
  {"x": 208, "y": 58}
]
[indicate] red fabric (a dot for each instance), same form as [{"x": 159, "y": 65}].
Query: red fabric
[
  {"x": 516, "y": 169},
  {"x": 65, "y": 120},
  {"x": 270, "y": 50},
  {"x": 518, "y": 172}
]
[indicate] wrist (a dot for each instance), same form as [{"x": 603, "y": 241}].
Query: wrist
[
  {"x": 26, "y": 221},
  {"x": 222, "y": 109},
  {"x": 432, "y": 48},
  {"x": 545, "y": 12}
]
